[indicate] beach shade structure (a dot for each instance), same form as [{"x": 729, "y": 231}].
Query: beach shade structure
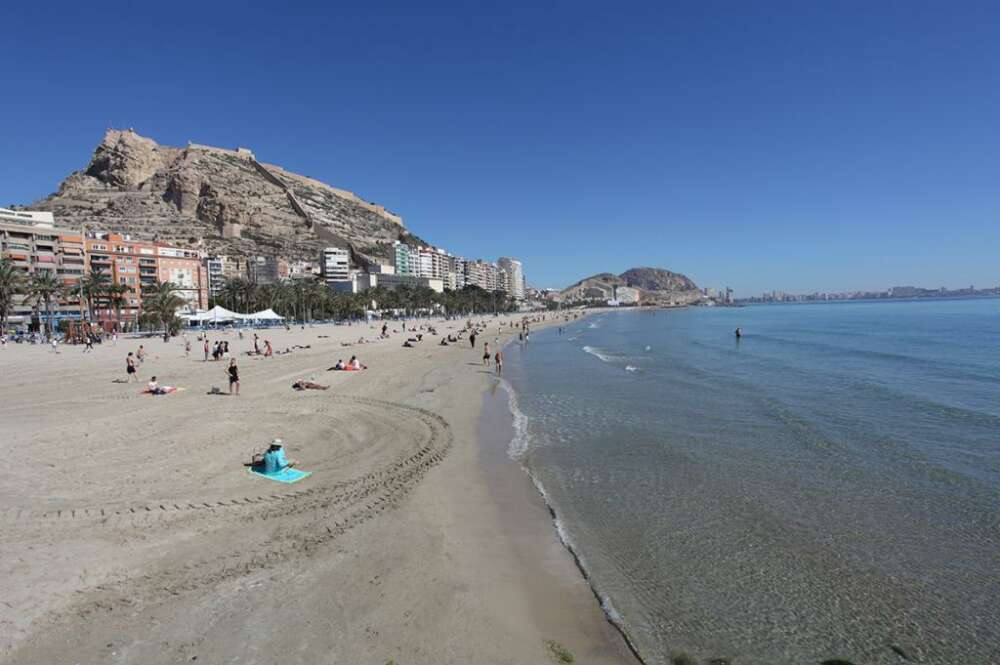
[
  {"x": 217, "y": 314},
  {"x": 266, "y": 315}
]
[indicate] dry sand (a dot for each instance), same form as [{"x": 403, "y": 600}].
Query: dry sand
[{"x": 133, "y": 534}]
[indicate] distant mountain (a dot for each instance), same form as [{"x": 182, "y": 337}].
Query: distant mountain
[
  {"x": 217, "y": 199},
  {"x": 656, "y": 286}
]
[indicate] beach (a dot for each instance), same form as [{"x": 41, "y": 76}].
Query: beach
[{"x": 134, "y": 533}]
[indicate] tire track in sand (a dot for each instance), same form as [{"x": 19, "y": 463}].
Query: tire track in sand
[{"x": 253, "y": 524}]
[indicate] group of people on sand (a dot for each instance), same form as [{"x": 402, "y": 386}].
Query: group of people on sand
[
  {"x": 352, "y": 365},
  {"x": 134, "y": 359}
]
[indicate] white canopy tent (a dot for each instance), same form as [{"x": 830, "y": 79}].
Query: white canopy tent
[
  {"x": 217, "y": 314},
  {"x": 266, "y": 315}
]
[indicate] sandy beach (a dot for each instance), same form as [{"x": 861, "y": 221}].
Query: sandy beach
[{"x": 133, "y": 532}]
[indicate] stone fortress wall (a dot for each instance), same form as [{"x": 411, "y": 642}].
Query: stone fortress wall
[{"x": 247, "y": 154}]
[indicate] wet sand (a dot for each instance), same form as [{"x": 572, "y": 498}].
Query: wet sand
[{"x": 132, "y": 533}]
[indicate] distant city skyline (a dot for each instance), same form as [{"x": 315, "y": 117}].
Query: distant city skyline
[{"x": 790, "y": 146}]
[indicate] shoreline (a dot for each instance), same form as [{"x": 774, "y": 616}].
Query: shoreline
[
  {"x": 610, "y": 615},
  {"x": 407, "y": 543}
]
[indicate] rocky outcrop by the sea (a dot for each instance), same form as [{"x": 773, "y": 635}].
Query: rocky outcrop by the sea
[
  {"x": 657, "y": 286},
  {"x": 220, "y": 200}
]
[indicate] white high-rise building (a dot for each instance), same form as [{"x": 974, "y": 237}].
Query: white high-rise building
[
  {"x": 335, "y": 265},
  {"x": 513, "y": 281}
]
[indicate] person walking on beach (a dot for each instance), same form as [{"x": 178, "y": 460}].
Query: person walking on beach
[
  {"x": 268, "y": 351},
  {"x": 89, "y": 342},
  {"x": 206, "y": 348},
  {"x": 234, "y": 376},
  {"x": 187, "y": 347},
  {"x": 256, "y": 345},
  {"x": 486, "y": 353},
  {"x": 130, "y": 370},
  {"x": 472, "y": 339},
  {"x": 141, "y": 354},
  {"x": 498, "y": 359}
]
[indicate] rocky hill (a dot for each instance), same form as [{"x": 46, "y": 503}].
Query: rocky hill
[
  {"x": 656, "y": 286},
  {"x": 217, "y": 199}
]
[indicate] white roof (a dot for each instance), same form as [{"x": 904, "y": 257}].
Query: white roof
[
  {"x": 266, "y": 315},
  {"x": 216, "y": 314},
  {"x": 219, "y": 313}
]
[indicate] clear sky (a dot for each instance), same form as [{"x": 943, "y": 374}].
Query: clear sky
[{"x": 763, "y": 145}]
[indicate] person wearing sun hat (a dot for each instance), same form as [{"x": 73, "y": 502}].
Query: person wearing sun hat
[{"x": 274, "y": 458}]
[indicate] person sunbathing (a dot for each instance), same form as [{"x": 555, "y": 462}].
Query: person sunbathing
[
  {"x": 302, "y": 384},
  {"x": 407, "y": 344}
]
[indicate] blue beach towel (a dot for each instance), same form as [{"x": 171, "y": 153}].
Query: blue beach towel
[{"x": 284, "y": 476}]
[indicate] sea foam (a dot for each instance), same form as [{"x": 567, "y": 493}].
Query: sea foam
[
  {"x": 519, "y": 442},
  {"x": 599, "y": 354}
]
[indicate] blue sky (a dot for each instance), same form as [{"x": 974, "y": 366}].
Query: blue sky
[{"x": 768, "y": 145}]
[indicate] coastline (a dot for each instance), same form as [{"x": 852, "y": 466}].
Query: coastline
[
  {"x": 504, "y": 409},
  {"x": 409, "y": 542}
]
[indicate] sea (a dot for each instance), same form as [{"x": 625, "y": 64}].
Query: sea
[{"x": 825, "y": 487}]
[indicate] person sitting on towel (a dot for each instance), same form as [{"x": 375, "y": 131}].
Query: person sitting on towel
[
  {"x": 339, "y": 365},
  {"x": 274, "y": 459},
  {"x": 154, "y": 388},
  {"x": 355, "y": 364}
]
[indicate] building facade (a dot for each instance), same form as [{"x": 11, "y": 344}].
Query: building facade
[
  {"x": 627, "y": 295},
  {"x": 34, "y": 246},
  {"x": 483, "y": 274},
  {"x": 404, "y": 264},
  {"x": 513, "y": 277},
  {"x": 335, "y": 265},
  {"x": 138, "y": 263}
]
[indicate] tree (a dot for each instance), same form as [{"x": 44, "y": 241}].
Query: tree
[
  {"x": 12, "y": 285},
  {"x": 43, "y": 288},
  {"x": 117, "y": 295},
  {"x": 160, "y": 300},
  {"x": 94, "y": 286}
]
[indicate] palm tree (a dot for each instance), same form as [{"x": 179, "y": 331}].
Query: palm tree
[
  {"x": 12, "y": 285},
  {"x": 117, "y": 295},
  {"x": 94, "y": 286},
  {"x": 43, "y": 288},
  {"x": 162, "y": 302}
]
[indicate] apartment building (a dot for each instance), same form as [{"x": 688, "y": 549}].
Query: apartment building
[
  {"x": 406, "y": 259},
  {"x": 335, "y": 265},
  {"x": 512, "y": 276},
  {"x": 31, "y": 241},
  {"x": 136, "y": 263},
  {"x": 483, "y": 274}
]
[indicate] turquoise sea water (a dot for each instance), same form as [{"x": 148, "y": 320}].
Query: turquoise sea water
[{"x": 827, "y": 487}]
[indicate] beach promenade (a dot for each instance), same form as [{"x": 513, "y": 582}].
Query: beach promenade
[{"x": 133, "y": 532}]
